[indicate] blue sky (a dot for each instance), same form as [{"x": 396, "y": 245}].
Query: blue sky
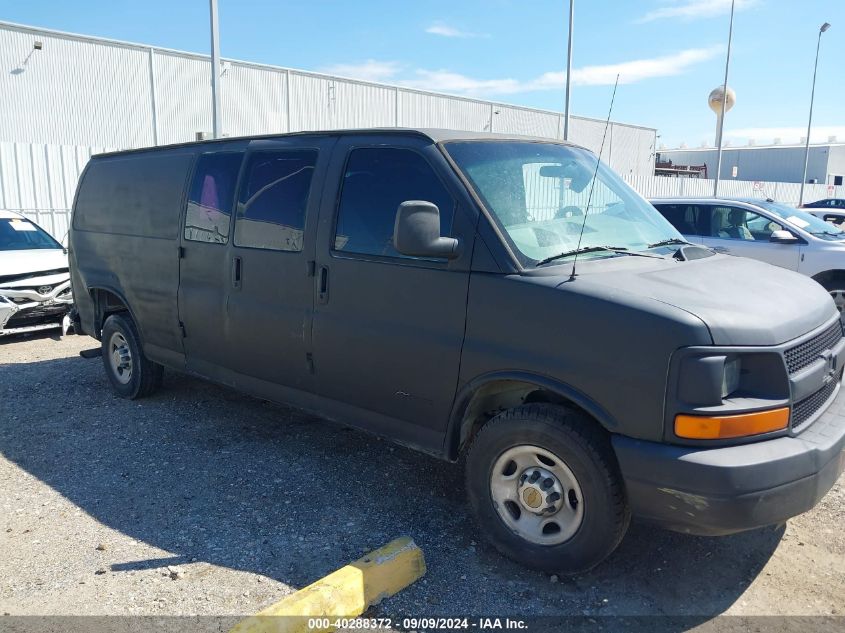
[{"x": 669, "y": 53}]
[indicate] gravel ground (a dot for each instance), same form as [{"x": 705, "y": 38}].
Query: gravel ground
[{"x": 200, "y": 500}]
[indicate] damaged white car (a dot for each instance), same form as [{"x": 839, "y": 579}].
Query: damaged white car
[{"x": 35, "y": 291}]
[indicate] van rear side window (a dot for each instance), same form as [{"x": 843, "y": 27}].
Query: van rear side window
[
  {"x": 273, "y": 198},
  {"x": 139, "y": 194},
  {"x": 212, "y": 196}
]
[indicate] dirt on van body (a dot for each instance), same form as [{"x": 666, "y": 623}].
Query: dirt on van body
[{"x": 200, "y": 500}]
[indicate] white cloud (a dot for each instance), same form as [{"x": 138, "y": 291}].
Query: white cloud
[
  {"x": 444, "y": 30},
  {"x": 445, "y": 80},
  {"x": 631, "y": 71},
  {"x": 370, "y": 70},
  {"x": 695, "y": 9},
  {"x": 601, "y": 75},
  {"x": 793, "y": 134}
]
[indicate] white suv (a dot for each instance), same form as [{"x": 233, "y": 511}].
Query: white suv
[
  {"x": 35, "y": 291},
  {"x": 766, "y": 230}
]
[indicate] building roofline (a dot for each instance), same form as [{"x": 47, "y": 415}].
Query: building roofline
[
  {"x": 435, "y": 135},
  {"x": 13, "y": 26},
  {"x": 734, "y": 148}
]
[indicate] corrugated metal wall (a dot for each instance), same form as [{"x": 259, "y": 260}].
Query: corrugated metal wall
[
  {"x": 85, "y": 91},
  {"x": 786, "y": 192},
  {"x": 40, "y": 180}
]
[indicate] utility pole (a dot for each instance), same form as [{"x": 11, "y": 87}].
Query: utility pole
[
  {"x": 568, "y": 71},
  {"x": 216, "y": 114}
]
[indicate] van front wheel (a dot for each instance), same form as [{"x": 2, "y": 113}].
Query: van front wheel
[
  {"x": 131, "y": 374},
  {"x": 545, "y": 487}
]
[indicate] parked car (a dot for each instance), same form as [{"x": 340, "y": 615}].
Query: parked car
[
  {"x": 831, "y": 216},
  {"x": 35, "y": 292},
  {"x": 501, "y": 298},
  {"x": 766, "y": 230},
  {"x": 827, "y": 203}
]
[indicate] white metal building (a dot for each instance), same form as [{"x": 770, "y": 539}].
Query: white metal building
[
  {"x": 84, "y": 91},
  {"x": 783, "y": 163},
  {"x": 64, "y": 97}
]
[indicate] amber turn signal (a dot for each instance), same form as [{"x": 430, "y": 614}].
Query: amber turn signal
[{"x": 699, "y": 427}]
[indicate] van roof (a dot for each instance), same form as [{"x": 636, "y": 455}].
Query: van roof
[{"x": 436, "y": 135}]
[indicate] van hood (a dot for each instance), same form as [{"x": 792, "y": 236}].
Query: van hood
[
  {"x": 741, "y": 301},
  {"x": 34, "y": 260}
]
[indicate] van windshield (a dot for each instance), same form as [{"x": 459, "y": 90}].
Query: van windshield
[
  {"x": 19, "y": 234},
  {"x": 542, "y": 193}
]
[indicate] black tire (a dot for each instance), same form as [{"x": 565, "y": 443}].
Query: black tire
[
  {"x": 584, "y": 447},
  {"x": 145, "y": 376}
]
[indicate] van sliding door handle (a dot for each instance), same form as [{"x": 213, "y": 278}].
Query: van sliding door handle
[
  {"x": 236, "y": 272},
  {"x": 323, "y": 285}
]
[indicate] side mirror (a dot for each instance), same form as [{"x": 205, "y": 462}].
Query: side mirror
[
  {"x": 417, "y": 231},
  {"x": 782, "y": 237}
]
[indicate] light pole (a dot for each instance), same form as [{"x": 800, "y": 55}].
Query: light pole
[
  {"x": 216, "y": 114},
  {"x": 824, "y": 27},
  {"x": 724, "y": 108},
  {"x": 568, "y": 71}
]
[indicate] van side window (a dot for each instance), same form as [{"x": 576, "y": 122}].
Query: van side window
[
  {"x": 272, "y": 199},
  {"x": 211, "y": 197},
  {"x": 376, "y": 182}
]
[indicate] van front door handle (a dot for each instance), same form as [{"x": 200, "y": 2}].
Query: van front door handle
[
  {"x": 236, "y": 272},
  {"x": 323, "y": 285}
]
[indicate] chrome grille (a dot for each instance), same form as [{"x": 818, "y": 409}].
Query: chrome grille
[
  {"x": 806, "y": 408},
  {"x": 801, "y": 356}
]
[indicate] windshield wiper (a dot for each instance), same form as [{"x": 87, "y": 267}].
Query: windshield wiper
[
  {"x": 620, "y": 250},
  {"x": 669, "y": 242}
]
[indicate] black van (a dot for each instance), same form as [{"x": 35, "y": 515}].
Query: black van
[{"x": 502, "y": 298}]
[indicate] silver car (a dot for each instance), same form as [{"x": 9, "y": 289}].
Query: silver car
[
  {"x": 35, "y": 291},
  {"x": 766, "y": 230}
]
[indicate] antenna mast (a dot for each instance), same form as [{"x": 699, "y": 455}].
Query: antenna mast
[{"x": 595, "y": 174}]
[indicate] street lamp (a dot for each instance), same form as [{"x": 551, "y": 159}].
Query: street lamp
[{"x": 824, "y": 27}]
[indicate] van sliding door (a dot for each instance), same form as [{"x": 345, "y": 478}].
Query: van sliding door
[{"x": 271, "y": 289}]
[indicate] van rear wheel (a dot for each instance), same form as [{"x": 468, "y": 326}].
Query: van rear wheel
[
  {"x": 545, "y": 488},
  {"x": 131, "y": 374}
]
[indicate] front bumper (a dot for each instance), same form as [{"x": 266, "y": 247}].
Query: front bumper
[
  {"x": 27, "y": 310},
  {"x": 730, "y": 489}
]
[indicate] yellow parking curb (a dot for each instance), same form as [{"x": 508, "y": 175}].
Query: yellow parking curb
[{"x": 345, "y": 593}]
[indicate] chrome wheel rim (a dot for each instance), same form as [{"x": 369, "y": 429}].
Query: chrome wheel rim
[
  {"x": 536, "y": 495},
  {"x": 120, "y": 358},
  {"x": 838, "y": 297}
]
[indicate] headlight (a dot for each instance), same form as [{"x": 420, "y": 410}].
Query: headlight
[
  {"x": 730, "y": 376},
  {"x": 725, "y": 394}
]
